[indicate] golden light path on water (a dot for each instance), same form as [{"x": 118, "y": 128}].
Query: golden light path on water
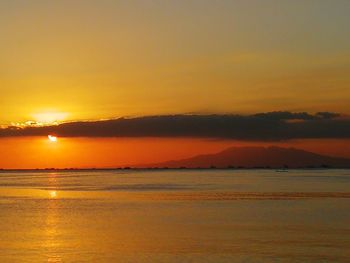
[{"x": 52, "y": 242}]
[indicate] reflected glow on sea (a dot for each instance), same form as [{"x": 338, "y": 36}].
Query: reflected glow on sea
[{"x": 175, "y": 216}]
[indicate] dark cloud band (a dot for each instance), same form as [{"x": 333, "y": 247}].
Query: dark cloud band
[{"x": 262, "y": 126}]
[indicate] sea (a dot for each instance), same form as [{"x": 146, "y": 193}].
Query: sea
[{"x": 175, "y": 216}]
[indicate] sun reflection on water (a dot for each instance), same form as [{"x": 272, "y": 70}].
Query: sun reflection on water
[
  {"x": 52, "y": 242},
  {"x": 53, "y": 194}
]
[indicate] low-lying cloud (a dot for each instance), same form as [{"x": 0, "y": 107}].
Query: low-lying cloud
[{"x": 271, "y": 126}]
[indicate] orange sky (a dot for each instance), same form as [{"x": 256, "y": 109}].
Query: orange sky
[{"x": 39, "y": 152}]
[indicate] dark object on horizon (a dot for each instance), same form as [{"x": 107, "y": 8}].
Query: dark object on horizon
[{"x": 259, "y": 157}]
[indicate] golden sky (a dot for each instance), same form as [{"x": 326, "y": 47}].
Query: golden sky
[
  {"x": 63, "y": 61},
  {"x": 76, "y": 60}
]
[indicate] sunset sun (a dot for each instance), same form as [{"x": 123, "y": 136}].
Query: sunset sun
[{"x": 52, "y": 138}]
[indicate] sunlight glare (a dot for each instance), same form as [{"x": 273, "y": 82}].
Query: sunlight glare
[
  {"x": 52, "y": 138},
  {"x": 49, "y": 118}
]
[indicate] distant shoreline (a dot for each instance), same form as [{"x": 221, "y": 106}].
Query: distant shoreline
[{"x": 277, "y": 169}]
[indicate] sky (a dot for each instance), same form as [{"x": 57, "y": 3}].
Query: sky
[{"x": 68, "y": 61}]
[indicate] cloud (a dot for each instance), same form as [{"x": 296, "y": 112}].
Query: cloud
[{"x": 270, "y": 126}]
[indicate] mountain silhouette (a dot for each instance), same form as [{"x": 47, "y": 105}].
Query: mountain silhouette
[{"x": 258, "y": 157}]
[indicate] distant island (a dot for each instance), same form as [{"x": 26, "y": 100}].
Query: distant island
[
  {"x": 258, "y": 157},
  {"x": 272, "y": 157}
]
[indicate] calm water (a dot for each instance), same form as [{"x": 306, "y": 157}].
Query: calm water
[{"x": 175, "y": 216}]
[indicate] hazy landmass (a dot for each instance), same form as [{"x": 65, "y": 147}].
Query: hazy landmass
[{"x": 258, "y": 157}]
